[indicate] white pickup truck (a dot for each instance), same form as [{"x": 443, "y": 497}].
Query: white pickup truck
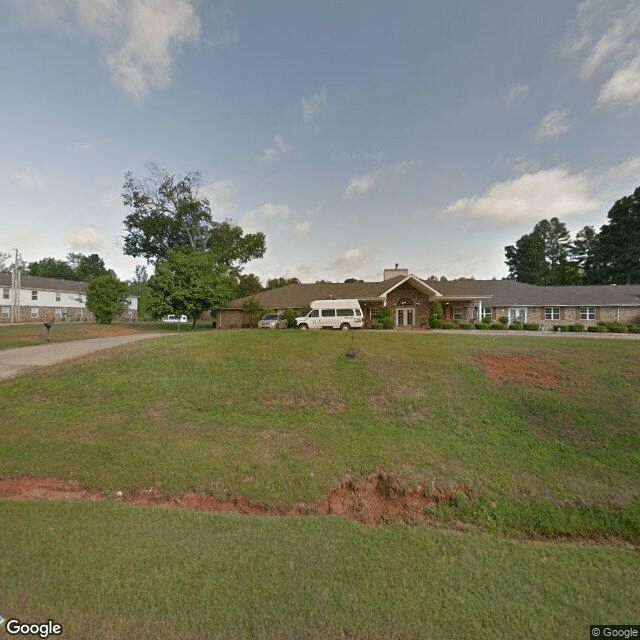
[{"x": 172, "y": 318}]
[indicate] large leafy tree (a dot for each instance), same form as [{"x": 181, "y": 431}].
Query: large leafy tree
[
  {"x": 617, "y": 251},
  {"x": 171, "y": 213},
  {"x": 88, "y": 267},
  {"x": 543, "y": 256},
  {"x": 107, "y": 297},
  {"x": 189, "y": 282},
  {"x": 52, "y": 268},
  {"x": 248, "y": 285}
]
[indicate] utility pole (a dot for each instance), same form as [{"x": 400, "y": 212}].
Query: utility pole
[{"x": 16, "y": 270}]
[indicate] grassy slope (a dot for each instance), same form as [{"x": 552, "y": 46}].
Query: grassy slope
[{"x": 280, "y": 417}]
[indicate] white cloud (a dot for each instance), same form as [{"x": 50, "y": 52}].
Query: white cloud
[
  {"x": 278, "y": 148},
  {"x": 532, "y": 197},
  {"x": 300, "y": 229},
  {"x": 265, "y": 212},
  {"x": 358, "y": 185},
  {"x": 139, "y": 39},
  {"x": 109, "y": 199},
  {"x": 219, "y": 193},
  {"x": 351, "y": 261},
  {"x": 87, "y": 238},
  {"x": 30, "y": 179},
  {"x": 314, "y": 104},
  {"x": 554, "y": 124},
  {"x": 607, "y": 35},
  {"x": 516, "y": 91},
  {"x": 624, "y": 85},
  {"x": 80, "y": 148}
]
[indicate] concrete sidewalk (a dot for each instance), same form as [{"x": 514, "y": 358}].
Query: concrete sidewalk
[{"x": 15, "y": 362}]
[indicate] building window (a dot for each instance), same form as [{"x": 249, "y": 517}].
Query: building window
[
  {"x": 34, "y": 295},
  {"x": 587, "y": 313},
  {"x": 58, "y": 296},
  {"x": 517, "y": 314},
  {"x": 373, "y": 314},
  {"x": 6, "y": 312},
  {"x": 552, "y": 313},
  {"x": 35, "y": 312},
  {"x": 486, "y": 313},
  {"x": 6, "y": 293},
  {"x": 457, "y": 313}
]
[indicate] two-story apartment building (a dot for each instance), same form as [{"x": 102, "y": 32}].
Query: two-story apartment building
[{"x": 42, "y": 299}]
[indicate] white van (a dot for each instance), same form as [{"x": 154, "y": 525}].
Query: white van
[{"x": 332, "y": 314}]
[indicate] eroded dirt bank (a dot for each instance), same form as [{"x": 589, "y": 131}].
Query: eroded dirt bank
[{"x": 375, "y": 500}]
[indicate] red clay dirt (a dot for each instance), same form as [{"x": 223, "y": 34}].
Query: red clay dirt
[
  {"x": 378, "y": 499},
  {"x": 519, "y": 369}
]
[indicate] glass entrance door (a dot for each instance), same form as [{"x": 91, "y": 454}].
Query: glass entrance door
[{"x": 405, "y": 317}]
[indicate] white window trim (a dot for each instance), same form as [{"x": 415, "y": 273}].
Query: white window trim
[
  {"x": 35, "y": 312},
  {"x": 34, "y": 294},
  {"x": 552, "y": 313},
  {"x": 514, "y": 314},
  {"x": 588, "y": 313}
]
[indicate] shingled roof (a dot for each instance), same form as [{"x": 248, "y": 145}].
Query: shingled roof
[
  {"x": 499, "y": 293},
  {"x": 44, "y": 284}
]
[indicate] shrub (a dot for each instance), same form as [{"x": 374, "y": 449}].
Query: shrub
[
  {"x": 388, "y": 323},
  {"x": 377, "y": 326},
  {"x": 384, "y": 313},
  {"x": 531, "y": 326},
  {"x": 634, "y": 328},
  {"x": 290, "y": 315},
  {"x": 481, "y": 325},
  {"x": 503, "y": 320},
  {"x": 516, "y": 326},
  {"x": 617, "y": 327},
  {"x": 562, "y": 327},
  {"x": 449, "y": 325},
  {"x": 435, "y": 323},
  {"x": 601, "y": 323},
  {"x": 436, "y": 310},
  {"x": 576, "y": 328},
  {"x": 466, "y": 326},
  {"x": 497, "y": 326},
  {"x": 598, "y": 328}
]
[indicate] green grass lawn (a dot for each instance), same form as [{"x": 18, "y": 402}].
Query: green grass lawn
[
  {"x": 115, "y": 571},
  {"x": 28, "y": 334},
  {"x": 280, "y": 418}
]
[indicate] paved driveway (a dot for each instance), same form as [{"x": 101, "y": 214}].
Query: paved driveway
[{"x": 15, "y": 362}]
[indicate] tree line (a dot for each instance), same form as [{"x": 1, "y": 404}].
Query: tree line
[{"x": 549, "y": 256}]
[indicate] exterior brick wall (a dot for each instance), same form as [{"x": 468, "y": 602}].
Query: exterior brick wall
[{"x": 46, "y": 314}]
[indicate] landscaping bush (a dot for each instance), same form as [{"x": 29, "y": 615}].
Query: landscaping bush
[
  {"x": 497, "y": 326},
  {"x": 481, "y": 325},
  {"x": 503, "y": 320},
  {"x": 531, "y": 326},
  {"x": 388, "y": 323},
  {"x": 436, "y": 310},
  {"x": 449, "y": 325},
  {"x": 466, "y": 326},
  {"x": 562, "y": 327},
  {"x": 617, "y": 327},
  {"x": 435, "y": 323},
  {"x": 598, "y": 328},
  {"x": 290, "y": 315},
  {"x": 634, "y": 328},
  {"x": 576, "y": 328},
  {"x": 516, "y": 326},
  {"x": 377, "y": 326}
]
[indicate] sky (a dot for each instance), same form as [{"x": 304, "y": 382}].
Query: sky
[{"x": 356, "y": 134}]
